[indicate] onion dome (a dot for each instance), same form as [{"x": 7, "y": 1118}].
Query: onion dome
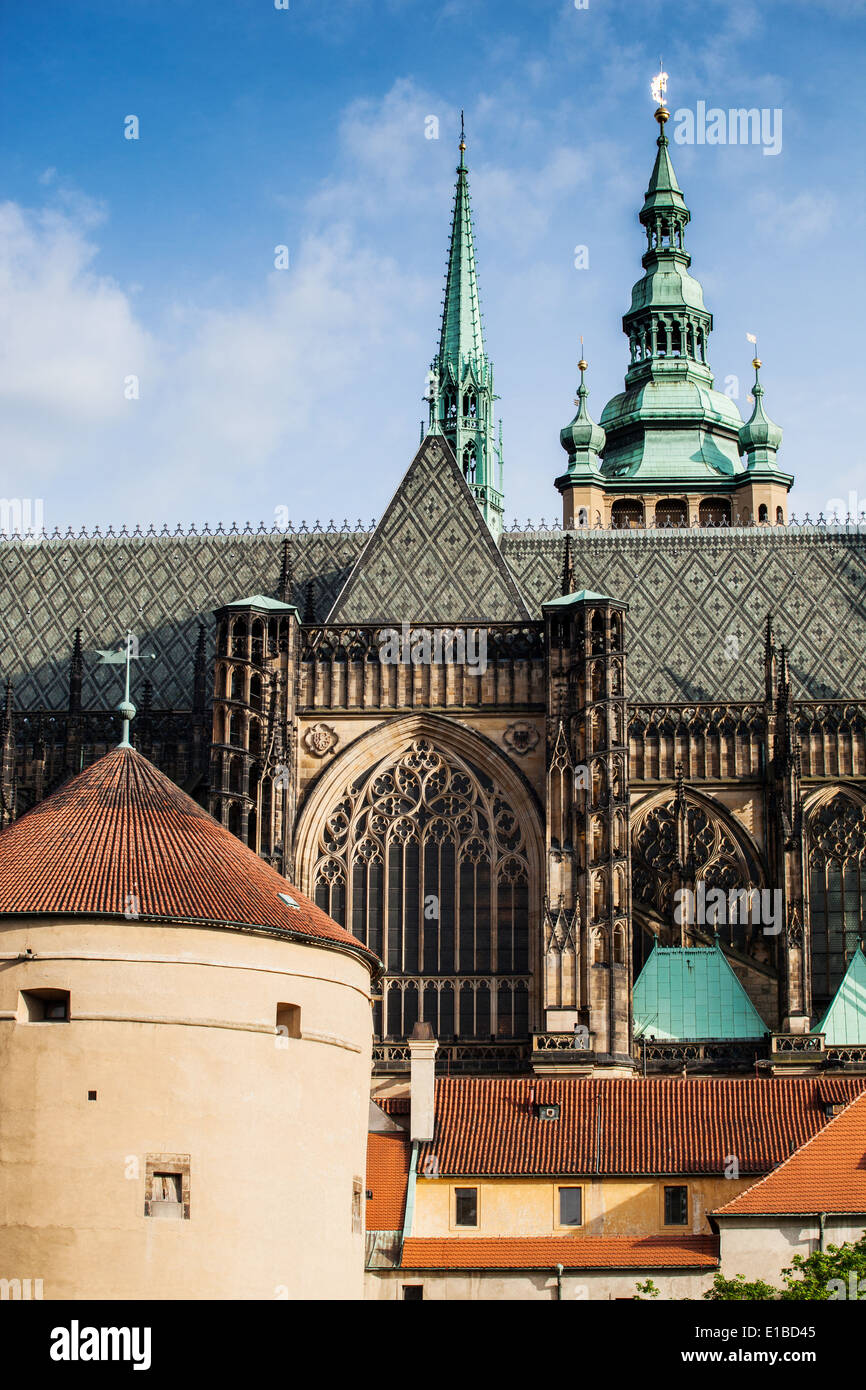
[
  {"x": 121, "y": 840},
  {"x": 759, "y": 437},
  {"x": 583, "y": 440}
]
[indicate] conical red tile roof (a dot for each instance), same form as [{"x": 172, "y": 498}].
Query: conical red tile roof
[{"x": 121, "y": 835}]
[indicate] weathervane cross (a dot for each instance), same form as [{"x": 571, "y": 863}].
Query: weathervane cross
[{"x": 122, "y": 657}]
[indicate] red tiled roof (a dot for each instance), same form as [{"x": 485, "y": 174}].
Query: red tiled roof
[
  {"x": 647, "y": 1125},
  {"x": 393, "y": 1105},
  {"x": 121, "y": 834},
  {"x": 572, "y": 1252},
  {"x": 387, "y": 1174},
  {"x": 827, "y": 1174}
]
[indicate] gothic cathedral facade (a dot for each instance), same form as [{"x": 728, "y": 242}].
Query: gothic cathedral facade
[{"x": 505, "y": 758}]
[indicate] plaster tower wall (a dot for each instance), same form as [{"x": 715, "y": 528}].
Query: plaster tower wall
[
  {"x": 185, "y": 1053},
  {"x": 174, "y": 1029}
]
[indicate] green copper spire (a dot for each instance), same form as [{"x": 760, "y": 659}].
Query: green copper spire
[
  {"x": 669, "y": 426},
  {"x": 583, "y": 440},
  {"x": 759, "y": 437},
  {"x": 461, "y": 374}
]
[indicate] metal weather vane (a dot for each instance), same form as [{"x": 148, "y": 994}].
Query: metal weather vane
[
  {"x": 659, "y": 86},
  {"x": 122, "y": 657}
]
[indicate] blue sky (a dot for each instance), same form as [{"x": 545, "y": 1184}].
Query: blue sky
[{"x": 262, "y": 389}]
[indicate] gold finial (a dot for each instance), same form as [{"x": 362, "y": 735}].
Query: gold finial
[
  {"x": 462, "y": 134},
  {"x": 756, "y": 363},
  {"x": 582, "y": 364},
  {"x": 658, "y": 88}
]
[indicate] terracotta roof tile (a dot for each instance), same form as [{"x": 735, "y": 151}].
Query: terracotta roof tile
[
  {"x": 121, "y": 833},
  {"x": 827, "y": 1174},
  {"x": 387, "y": 1174},
  {"x": 649, "y": 1125},
  {"x": 572, "y": 1252}
]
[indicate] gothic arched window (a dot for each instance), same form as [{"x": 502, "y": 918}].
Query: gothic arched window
[
  {"x": 423, "y": 859},
  {"x": 837, "y": 892}
]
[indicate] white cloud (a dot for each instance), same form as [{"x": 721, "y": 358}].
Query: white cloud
[{"x": 793, "y": 222}]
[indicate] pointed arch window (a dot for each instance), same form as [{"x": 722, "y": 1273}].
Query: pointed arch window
[
  {"x": 423, "y": 858},
  {"x": 837, "y": 892}
]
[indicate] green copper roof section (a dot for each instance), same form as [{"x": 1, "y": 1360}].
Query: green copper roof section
[
  {"x": 689, "y": 994},
  {"x": 263, "y": 601},
  {"x": 664, "y": 193},
  {"x": 760, "y": 437},
  {"x": 582, "y": 439},
  {"x": 461, "y": 375},
  {"x": 582, "y": 596},
  {"x": 845, "y": 1020}
]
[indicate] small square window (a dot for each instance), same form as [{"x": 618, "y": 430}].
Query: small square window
[
  {"x": 91, "y": 1095},
  {"x": 166, "y": 1187},
  {"x": 466, "y": 1206},
  {"x": 676, "y": 1206},
  {"x": 45, "y": 1005},
  {"x": 570, "y": 1206},
  {"x": 413, "y": 1293}
]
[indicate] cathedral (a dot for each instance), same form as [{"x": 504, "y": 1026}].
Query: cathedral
[{"x": 594, "y": 794}]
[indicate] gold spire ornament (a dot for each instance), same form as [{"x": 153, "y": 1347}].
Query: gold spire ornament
[{"x": 658, "y": 89}]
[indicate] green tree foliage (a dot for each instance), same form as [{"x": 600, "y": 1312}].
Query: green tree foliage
[
  {"x": 726, "y": 1290},
  {"x": 835, "y": 1273},
  {"x": 839, "y": 1272}
]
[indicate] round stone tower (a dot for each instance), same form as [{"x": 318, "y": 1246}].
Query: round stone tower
[{"x": 185, "y": 1051}]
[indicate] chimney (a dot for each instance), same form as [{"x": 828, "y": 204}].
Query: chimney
[{"x": 422, "y": 1051}]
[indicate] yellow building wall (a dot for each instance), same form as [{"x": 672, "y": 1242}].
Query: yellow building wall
[{"x": 530, "y": 1206}]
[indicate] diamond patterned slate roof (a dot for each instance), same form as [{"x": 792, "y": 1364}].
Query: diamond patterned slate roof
[
  {"x": 698, "y": 601},
  {"x": 160, "y": 587},
  {"x": 651, "y": 1125},
  {"x": 572, "y": 1252},
  {"x": 827, "y": 1174},
  {"x": 122, "y": 833},
  {"x": 432, "y": 558}
]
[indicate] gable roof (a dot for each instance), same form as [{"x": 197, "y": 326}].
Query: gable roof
[
  {"x": 489, "y": 1126},
  {"x": 122, "y": 833},
  {"x": 432, "y": 558},
  {"x": 572, "y": 1252},
  {"x": 827, "y": 1174},
  {"x": 689, "y": 993},
  {"x": 845, "y": 1020}
]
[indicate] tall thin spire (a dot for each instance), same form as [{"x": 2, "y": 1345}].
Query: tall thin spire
[
  {"x": 76, "y": 671},
  {"x": 7, "y": 759},
  {"x": 461, "y": 395},
  {"x": 286, "y": 582}
]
